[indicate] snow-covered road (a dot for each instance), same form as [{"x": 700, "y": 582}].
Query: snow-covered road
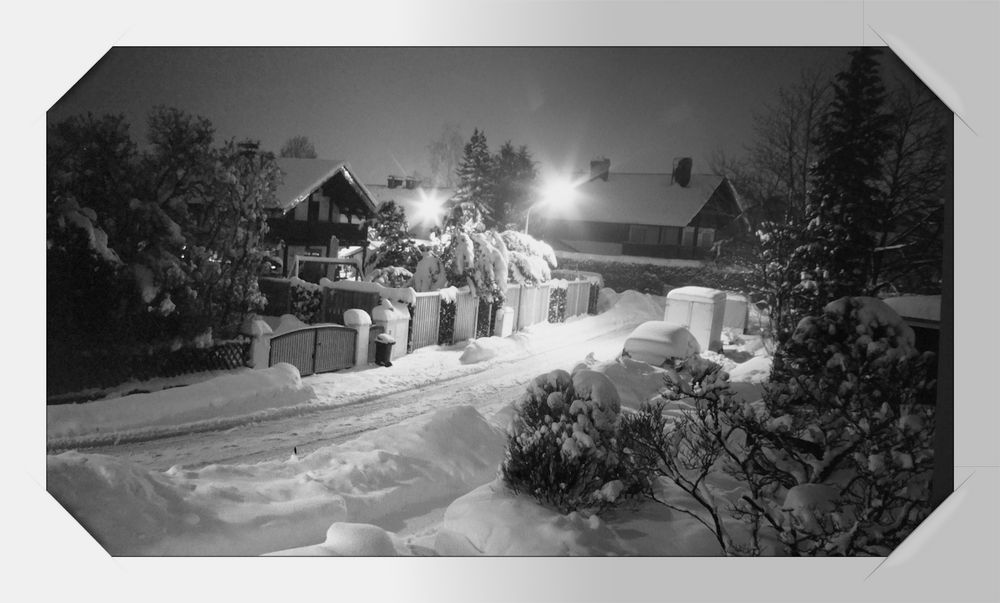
[{"x": 488, "y": 387}]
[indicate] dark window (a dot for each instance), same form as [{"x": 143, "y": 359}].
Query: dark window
[
  {"x": 670, "y": 235},
  {"x": 313, "y": 211},
  {"x": 643, "y": 235}
]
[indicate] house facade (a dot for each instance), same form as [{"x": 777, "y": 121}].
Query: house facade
[
  {"x": 320, "y": 207},
  {"x": 669, "y": 215}
]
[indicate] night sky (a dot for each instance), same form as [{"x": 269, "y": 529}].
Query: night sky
[{"x": 379, "y": 108}]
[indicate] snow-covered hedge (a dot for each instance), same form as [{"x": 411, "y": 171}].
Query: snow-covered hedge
[{"x": 562, "y": 447}]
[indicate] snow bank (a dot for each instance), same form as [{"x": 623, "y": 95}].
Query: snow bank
[
  {"x": 492, "y": 520},
  {"x": 487, "y": 348},
  {"x": 279, "y": 505},
  {"x": 241, "y": 393}
]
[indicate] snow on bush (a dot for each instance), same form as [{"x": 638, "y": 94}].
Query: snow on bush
[
  {"x": 429, "y": 275},
  {"x": 390, "y": 276},
  {"x": 562, "y": 447}
]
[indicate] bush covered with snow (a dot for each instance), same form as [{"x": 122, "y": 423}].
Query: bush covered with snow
[
  {"x": 394, "y": 277},
  {"x": 562, "y": 446},
  {"x": 306, "y": 300},
  {"x": 836, "y": 459}
]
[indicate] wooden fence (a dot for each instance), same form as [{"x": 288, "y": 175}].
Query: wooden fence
[
  {"x": 318, "y": 349},
  {"x": 426, "y": 311},
  {"x": 577, "y": 298}
]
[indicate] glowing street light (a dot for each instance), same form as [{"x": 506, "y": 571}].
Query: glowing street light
[
  {"x": 555, "y": 192},
  {"x": 430, "y": 208}
]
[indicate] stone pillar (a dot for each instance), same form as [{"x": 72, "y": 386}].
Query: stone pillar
[
  {"x": 260, "y": 348},
  {"x": 360, "y": 321}
]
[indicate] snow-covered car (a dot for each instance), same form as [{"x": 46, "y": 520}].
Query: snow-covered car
[{"x": 656, "y": 341}]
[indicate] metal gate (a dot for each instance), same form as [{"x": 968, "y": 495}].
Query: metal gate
[
  {"x": 425, "y": 319},
  {"x": 315, "y": 349}
]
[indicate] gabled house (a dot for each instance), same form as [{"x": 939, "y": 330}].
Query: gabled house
[
  {"x": 320, "y": 207},
  {"x": 668, "y": 215}
]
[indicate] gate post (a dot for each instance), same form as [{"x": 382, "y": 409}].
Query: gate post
[
  {"x": 360, "y": 321},
  {"x": 260, "y": 348}
]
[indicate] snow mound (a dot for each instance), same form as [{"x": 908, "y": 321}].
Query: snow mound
[
  {"x": 273, "y": 506},
  {"x": 356, "y": 539},
  {"x": 487, "y": 348},
  {"x": 491, "y": 520},
  {"x": 241, "y": 393},
  {"x": 754, "y": 370}
]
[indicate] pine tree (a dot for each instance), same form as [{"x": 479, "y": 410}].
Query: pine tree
[
  {"x": 474, "y": 199},
  {"x": 514, "y": 175},
  {"x": 846, "y": 203}
]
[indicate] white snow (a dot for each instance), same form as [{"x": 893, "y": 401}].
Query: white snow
[
  {"x": 239, "y": 394},
  {"x": 277, "y": 505},
  {"x": 426, "y": 485}
]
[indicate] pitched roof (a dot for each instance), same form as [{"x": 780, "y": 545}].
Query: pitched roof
[
  {"x": 640, "y": 199},
  {"x": 302, "y": 177}
]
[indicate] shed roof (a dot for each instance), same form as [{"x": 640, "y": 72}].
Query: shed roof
[{"x": 653, "y": 199}]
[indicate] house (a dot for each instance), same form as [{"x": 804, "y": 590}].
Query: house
[
  {"x": 424, "y": 205},
  {"x": 668, "y": 215},
  {"x": 320, "y": 207}
]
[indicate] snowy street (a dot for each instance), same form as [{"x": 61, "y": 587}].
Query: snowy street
[{"x": 489, "y": 388}]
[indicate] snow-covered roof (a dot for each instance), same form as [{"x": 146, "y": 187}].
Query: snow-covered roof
[
  {"x": 302, "y": 177},
  {"x": 640, "y": 199}
]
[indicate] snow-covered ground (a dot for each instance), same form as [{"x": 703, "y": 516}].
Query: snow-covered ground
[{"x": 422, "y": 485}]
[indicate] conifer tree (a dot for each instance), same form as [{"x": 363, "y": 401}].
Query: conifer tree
[
  {"x": 474, "y": 199},
  {"x": 846, "y": 202}
]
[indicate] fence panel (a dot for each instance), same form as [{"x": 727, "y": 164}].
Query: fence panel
[
  {"x": 297, "y": 348},
  {"x": 466, "y": 312},
  {"x": 577, "y": 298},
  {"x": 338, "y": 301},
  {"x": 334, "y": 348},
  {"x": 514, "y": 299},
  {"x": 425, "y": 317},
  {"x": 527, "y": 314}
]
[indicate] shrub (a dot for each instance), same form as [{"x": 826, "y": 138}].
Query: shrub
[
  {"x": 306, "y": 300},
  {"x": 562, "y": 448},
  {"x": 837, "y": 459}
]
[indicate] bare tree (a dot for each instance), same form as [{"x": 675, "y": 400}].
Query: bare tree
[
  {"x": 910, "y": 225},
  {"x": 772, "y": 177},
  {"x": 298, "y": 146},
  {"x": 446, "y": 155}
]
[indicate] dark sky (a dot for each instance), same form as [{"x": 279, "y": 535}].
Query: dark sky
[{"x": 379, "y": 108}]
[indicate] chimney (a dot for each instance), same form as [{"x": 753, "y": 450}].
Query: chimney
[
  {"x": 411, "y": 183},
  {"x": 599, "y": 168},
  {"x": 682, "y": 171},
  {"x": 394, "y": 181}
]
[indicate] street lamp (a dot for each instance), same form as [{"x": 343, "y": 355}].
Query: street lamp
[
  {"x": 555, "y": 192},
  {"x": 429, "y": 208}
]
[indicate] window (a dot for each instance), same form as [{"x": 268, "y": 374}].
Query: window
[
  {"x": 643, "y": 235},
  {"x": 313, "y": 210},
  {"x": 688, "y": 237},
  {"x": 670, "y": 235},
  {"x": 706, "y": 236}
]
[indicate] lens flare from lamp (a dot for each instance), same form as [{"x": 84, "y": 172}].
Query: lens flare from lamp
[{"x": 429, "y": 209}]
